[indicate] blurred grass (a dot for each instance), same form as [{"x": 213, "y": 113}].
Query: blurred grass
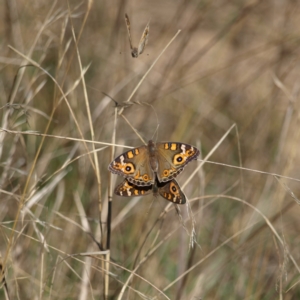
[{"x": 232, "y": 63}]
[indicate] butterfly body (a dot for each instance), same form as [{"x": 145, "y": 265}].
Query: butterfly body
[
  {"x": 169, "y": 190},
  {"x": 164, "y": 161},
  {"x": 136, "y": 51}
]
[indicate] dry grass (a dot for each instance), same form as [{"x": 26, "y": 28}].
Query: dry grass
[{"x": 228, "y": 84}]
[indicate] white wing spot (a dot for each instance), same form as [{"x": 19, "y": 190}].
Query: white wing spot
[
  {"x": 122, "y": 159},
  {"x": 183, "y": 149}
]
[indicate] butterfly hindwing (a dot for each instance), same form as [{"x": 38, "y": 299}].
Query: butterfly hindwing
[
  {"x": 127, "y": 189},
  {"x": 168, "y": 190},
  {"x": 172, "y": 192}
]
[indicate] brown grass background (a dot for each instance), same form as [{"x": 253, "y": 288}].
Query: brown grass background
[{"x": 234, "y": 62}]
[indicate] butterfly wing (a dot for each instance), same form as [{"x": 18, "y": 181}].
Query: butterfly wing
[
  {"x": 172, "y": 158},
  {"x": 144, "y": 40},
  {"x": 172, "y": 192},
  {"x": 134, "y": 165},
  {"x": 127, "y": 189},
  {"x": 128, "y": 30},
  {"x": 169, "y": 190}
]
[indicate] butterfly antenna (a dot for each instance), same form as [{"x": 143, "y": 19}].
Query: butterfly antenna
[{"x": 155, "y": 133}]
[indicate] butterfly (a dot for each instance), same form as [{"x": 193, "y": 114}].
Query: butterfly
[
  {"x": 164, "y": 161},
  {"x": 136, "y": 51},
  {"x": 169, "y": 190}
]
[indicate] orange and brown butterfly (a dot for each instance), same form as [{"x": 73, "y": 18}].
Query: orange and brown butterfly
[
  {"x": 163, "y": 161},
  {"x": 136, "y": 51},
  {"x": 169, "y": 190}
]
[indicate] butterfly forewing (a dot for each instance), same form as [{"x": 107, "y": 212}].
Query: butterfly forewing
[
  {"x": 172, "y": 158},
  {"x": 144, "y": 40},
  {"x": 134, "y": 165},
  {"x": 128, "y": 30}
]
